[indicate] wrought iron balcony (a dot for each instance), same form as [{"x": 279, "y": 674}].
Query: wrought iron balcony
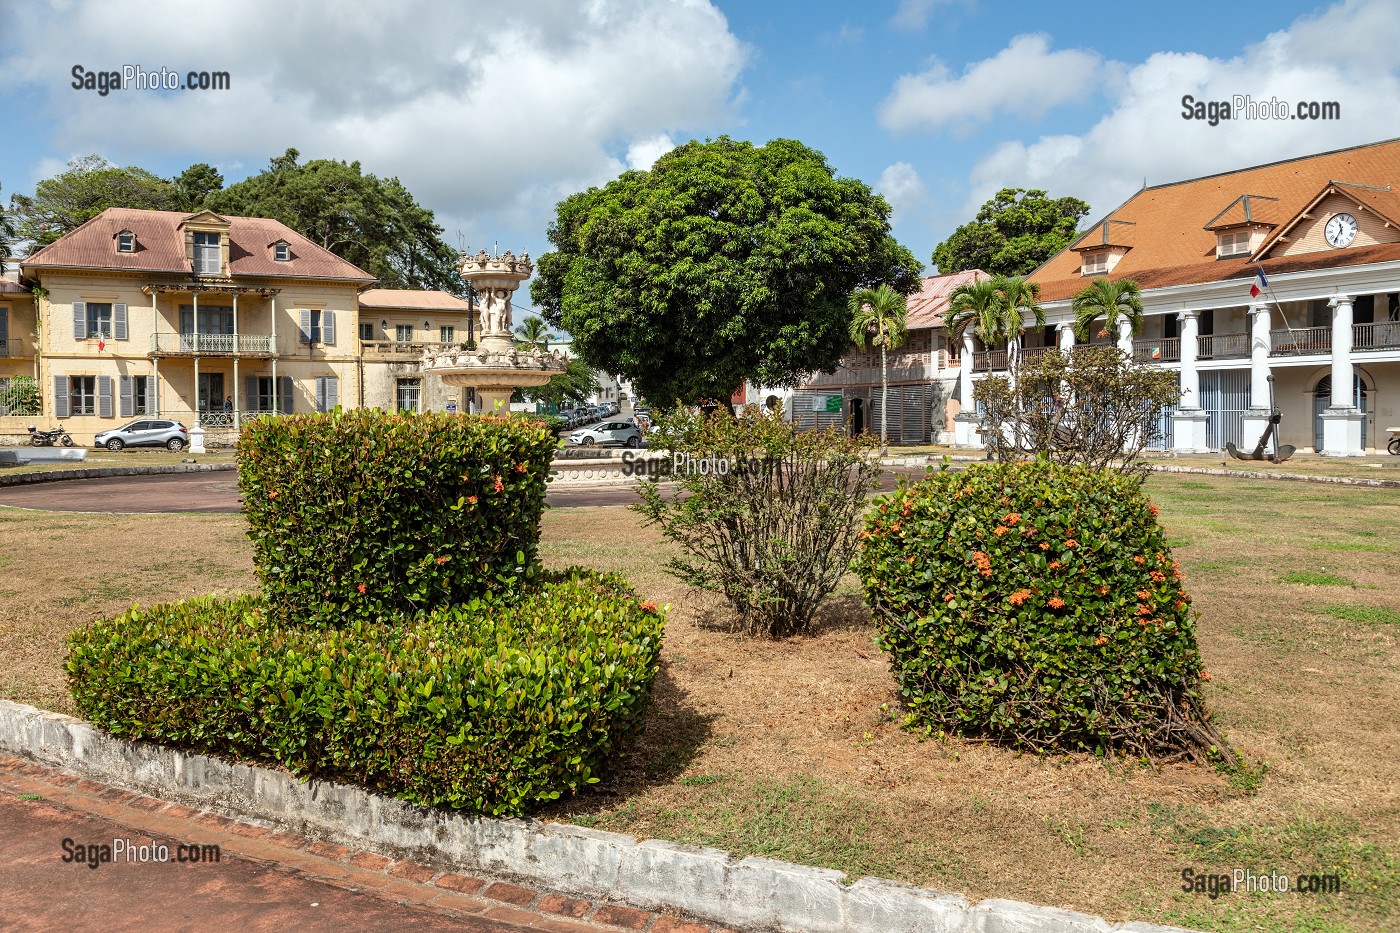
[
  {"x": 187, "y": 344},
  {"x": 1157, "y": 349}
]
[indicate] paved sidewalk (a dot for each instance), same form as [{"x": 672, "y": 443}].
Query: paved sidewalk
[{"x": 263, "y": 880}]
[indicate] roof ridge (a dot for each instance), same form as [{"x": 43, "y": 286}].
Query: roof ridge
[{"x": 1251, "y": 168}]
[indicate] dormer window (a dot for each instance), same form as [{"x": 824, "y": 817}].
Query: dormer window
[
  {"x": 281, "y": 252},
  {"x": 126, "y": 242},
  {"x": 1232, "y": 243},
  {"x": 208, "y": 254},
  {"x": 1095, "y": 263}
]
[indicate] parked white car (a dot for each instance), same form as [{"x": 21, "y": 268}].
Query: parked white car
[{"x": 608, "y": 434}]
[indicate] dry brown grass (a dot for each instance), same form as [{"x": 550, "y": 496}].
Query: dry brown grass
[{"x": 793, "y": 749}]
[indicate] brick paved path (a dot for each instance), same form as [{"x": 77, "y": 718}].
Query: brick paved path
[{"x": 264, "y": 880}]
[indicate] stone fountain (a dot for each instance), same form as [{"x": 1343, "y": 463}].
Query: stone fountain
[{"x": 495, "y": 368}]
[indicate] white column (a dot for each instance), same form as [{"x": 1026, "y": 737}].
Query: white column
[
  {"x": 1341, "y": 422},
  {"x": 1260, "y": 324},
  {"x": 965, "y": 374},
  {"x": 965, "y": 424},
  {"x": 1066, "y": 336},
  {"x": 1125, "y": 337},
  {"x": 236, "y": 399},
  {"x": 1343, "y": 374},
  {"x": 1189, "y": 434}
]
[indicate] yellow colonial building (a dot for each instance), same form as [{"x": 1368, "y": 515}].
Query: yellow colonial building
[{"x": 203, "y": 319}]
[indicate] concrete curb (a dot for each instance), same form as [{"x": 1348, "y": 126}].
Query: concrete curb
[
  {"x": 53, "y": 476},
  {"x": 752, "y": 893},
  {"x": 1291, "y": 477}
]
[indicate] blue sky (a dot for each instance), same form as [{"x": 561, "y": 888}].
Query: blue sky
[{"x": 490, "y": 113}]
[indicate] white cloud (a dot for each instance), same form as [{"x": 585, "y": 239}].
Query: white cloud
[
  {"x": 488, "y": 115},
  {"x": 914, "y": 14},
  {"x": 1338, "y": 55},
  {"x": 643, "y": 153},
  {"x": 1025, "y": 79},
  {"x": 902, "y": 187}
]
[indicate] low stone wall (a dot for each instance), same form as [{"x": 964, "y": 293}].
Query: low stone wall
[
  {"x": 750, "y": 893},
  {"x": 53, "y": 476}
]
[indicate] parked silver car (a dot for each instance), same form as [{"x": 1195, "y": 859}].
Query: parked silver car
[
  {"x": 608, "y": 434},
  {"x": 146, "y": 432}
]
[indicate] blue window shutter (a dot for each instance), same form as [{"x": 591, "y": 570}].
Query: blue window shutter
[
  {"x": 126, "y": 407},
  {"x": 306, "y": 327},
  {"x": 328, "y": 327},
  {"x": 104, "y": 396},
  {"x": 80, "y": 330},
  {"x": 119, "y": 322},
  {"x": 60, "y": 396}
]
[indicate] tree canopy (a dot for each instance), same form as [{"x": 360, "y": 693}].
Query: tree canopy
[
  {"x": 1013, "y": 233},
  {"x": 372, "y": 222},
  {"x": 725, "y": 262},
  {"x": 88, "y": 187},
  {"x": 196, "y": 185}
]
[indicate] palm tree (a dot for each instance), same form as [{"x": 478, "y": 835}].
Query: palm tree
[
  {"x": 534, "y": 332},
  {"x": 1022, "y": 300},
  {"x": 996, "y": 309},
  {"x": 880, "y": 310},
  {"x": 1110, "y": 301},
  {"x": 7, "y": 236}
]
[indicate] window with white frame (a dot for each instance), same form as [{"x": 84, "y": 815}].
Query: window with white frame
[
  {"x": 1232, "y": 243},
  {"x": 403, "y": 333},
  {"x": 366, "y": 330},
  {"x": 281, "y": 252},
  {"x": 1094, "y": 263},
  {"x": 99, "y": 320},
  {"x": 447, "y": 333},
  {"x": 208, "y": 254},
  {"x": 140, "y": 389},
  {"x": 407, "y": 393},
  {"x": 82, "y": 395},
  {"x": 126, "y": 242}
]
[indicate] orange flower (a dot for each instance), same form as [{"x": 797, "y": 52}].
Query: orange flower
[
  {"x": 1071, "y": 543},
  {"x": 441, "y": 560},
  {"x": 894, "y": 527},
  {"x": 361, "y": 588},
  {"x": 1144, "y": 610},
  {"x": 1019, "y": 597},
  {"x": 999, "y": 530},
  {"x": 1012, "y": 518},
  {"x": 520, "y": 468},
  {"x": 1055, "y": 565},
  {"x": 1180, "y": 604},
  {"x": 648, "y": 606},
  {"x": 1144, "y": 594},
  {"x": 863, "y": 535},
  {"x": 948, "y": 597},
  {"x": 1045, "y": 545},
  {"x": 1205, "y": 675},
  {"x": 911, "y": 561},
  {"x": 1056, "y": 602},
  {"x": 1101, "y": 640},
  {"x": 1154, "y": 508},
  {"x": 272, "y": 495},
  {"x": 1101, "y": 589},
  {"x": 1158, "y": 576},
  {"x": 1139, "y": 559},
  {"x": 498, "y": 485},
  {"x": 984, "y": 563},
  {"x": 471, "y": 499}
]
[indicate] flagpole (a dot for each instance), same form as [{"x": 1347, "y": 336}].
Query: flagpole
[{"x": 1269, "y": 290}]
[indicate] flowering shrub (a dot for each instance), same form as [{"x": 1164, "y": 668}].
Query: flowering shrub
[
  {"x": 370, "y": 514},
  {"x": 1037, "y": 605}
]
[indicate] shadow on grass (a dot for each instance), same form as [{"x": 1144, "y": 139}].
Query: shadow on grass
[
  {"x": 839, "y": 612},
  {"x": 672, "y": 735}
]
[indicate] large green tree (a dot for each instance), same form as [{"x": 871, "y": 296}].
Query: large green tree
[
  {"x": 1013, "y": 233},
  {"x": 85, "y": 189},
  {"x": 373, "y": 222},
  {"x": 577, "y": 383},
  {"x": 724, "y": 262}
]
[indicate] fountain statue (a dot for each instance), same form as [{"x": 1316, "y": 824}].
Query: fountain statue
[{"x": 495, "y": 368}]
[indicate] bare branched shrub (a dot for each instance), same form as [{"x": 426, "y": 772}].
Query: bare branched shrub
[
  {"x": 764, "y": 514},
  {"x": 1092, "y": 406}
]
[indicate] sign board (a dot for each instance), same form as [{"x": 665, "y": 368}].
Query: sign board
[
  {"x": 830, "y": 404},
  {"x": 452, "y": 407}
]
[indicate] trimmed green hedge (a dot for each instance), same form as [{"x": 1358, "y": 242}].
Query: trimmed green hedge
[
  {"x": 369, "y": 515},
  {"x": 1037, "y": 605},
  {"x": 494, "y": 706}
]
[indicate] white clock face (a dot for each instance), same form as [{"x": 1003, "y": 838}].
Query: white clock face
[{"x": 1341, "y": 230}]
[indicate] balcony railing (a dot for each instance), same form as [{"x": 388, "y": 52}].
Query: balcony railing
[
  {"x": 1382, "y": 336},
  {"x": 5, "y": 345},
  {"x": 403, "y": 348},
  {"x": 1301, "y": 341},
  {"x": 988, "y": 360},
  {"x": 870, "y": 375},
  {"x": 1222, "y": 346},
  {"x": 1157, "y": 350},
  {"x": 211, "y": 343}
]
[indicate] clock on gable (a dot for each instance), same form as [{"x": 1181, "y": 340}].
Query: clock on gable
[{"x": 1341, "y": 230}]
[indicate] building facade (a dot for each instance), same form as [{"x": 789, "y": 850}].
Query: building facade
[
  {"x": 1323, "y": 320},
  {"x": 208, "y": 320}
]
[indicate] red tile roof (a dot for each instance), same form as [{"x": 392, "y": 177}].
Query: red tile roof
[
  {"x": 390, "y": 299},
  {"x": 160, "y": 247},
  {"x": 1172, "y": 246},
  {"x": 926, "y": 306}
]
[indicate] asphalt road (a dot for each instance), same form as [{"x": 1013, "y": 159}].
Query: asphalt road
[{"x": 218, "y": 492}]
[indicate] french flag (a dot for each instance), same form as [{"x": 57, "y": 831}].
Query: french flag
[{"x": 1257, "y": 287}]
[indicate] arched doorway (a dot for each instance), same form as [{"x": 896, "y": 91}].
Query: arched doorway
[
  {"x": 857, "y": 416},
  {"x": 1322, "y": 400}
]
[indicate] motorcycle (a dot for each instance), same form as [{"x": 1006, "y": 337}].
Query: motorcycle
[{"x": 50, "y": 438}]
